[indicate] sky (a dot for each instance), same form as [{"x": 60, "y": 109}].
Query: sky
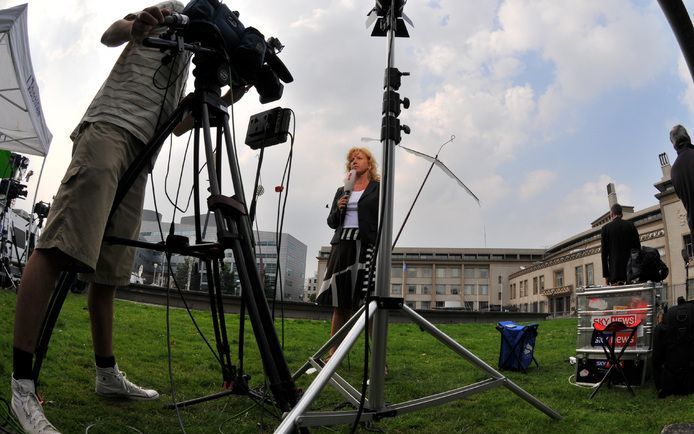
[{"x": 548, "y": 100}]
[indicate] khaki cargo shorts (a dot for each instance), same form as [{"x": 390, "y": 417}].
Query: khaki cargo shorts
[{"x": 78, "y": 219}]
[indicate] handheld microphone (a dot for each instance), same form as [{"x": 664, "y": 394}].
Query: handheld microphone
[{"x": 350, "y": 177}]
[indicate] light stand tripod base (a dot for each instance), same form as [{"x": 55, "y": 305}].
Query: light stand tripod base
[{"x": 299, "y": 417}]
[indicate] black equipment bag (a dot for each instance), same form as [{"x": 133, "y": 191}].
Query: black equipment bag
[
  {"x": 645, "y": 265},
  {"x": 673, "y": 352}
]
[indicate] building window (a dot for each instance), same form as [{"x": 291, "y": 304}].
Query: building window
[
  {"x": 469, "y": 305},
  {"x": 542, "y": 282},
  {"x": 499, "y": 279},
  {"x": 483, "y": 273},
  {"x": 535, "y": 286},
  {"x": 396, "y": 288},
  {"x": 440, "y": 305},
  {"x": 410, "y": 304},
  {"x": 483, "y": 289},
  {"x": 469, "y": 273},
  {"x": 425, "y": 289},
  {"x": 455, "y": 290},
  {"x": 558, "y": 278},
  {"x": 425, "y": 305},
  {"x": 469, "y": 289},
  {"x": 411, "y": 271},
  {"x": 579, "y": 276},
  {"x": 411, "y": 289},
  {"x": 442, "y": 272},
  {"x": 396, "y": 272},
  {"x": 425, "y": 272},
  {"x": 484, "y": 305},
  {"x": 590, "y": 278},
  {"x": 440, "y": 289}
]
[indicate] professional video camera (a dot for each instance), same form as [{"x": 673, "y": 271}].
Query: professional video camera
[
  {"x": 13, "y": 189},
  {"x": 252, "y": 60}
]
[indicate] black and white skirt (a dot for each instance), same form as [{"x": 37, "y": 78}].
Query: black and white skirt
[{"x": 348, "y": 272}]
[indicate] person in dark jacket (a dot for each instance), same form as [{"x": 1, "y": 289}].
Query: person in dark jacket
[
  {"x": 354, "y": 217},
  {"x": 682, "y": 173},
  {"x": 617, "y": 238}
]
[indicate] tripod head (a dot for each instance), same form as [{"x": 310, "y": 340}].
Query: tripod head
[{"x": 234, "y": 53}]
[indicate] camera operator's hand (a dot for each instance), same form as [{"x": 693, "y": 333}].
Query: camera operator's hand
[
  {"x": 145, "y": 21},
  {"x": 134, "y": 27}
]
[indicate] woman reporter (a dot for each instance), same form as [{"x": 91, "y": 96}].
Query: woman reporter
[{"x": 354, "y": 217}]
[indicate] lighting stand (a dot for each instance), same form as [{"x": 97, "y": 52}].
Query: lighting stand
[{"x": 378, "y": 308}]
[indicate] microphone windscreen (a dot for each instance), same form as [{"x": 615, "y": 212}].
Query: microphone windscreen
[{"x": 350, "y": 177}]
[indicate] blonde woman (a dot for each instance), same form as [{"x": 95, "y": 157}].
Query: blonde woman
[{"x": 355, "y": 220}]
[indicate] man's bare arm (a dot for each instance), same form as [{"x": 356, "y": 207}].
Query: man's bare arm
[{"x": 134, "y": 27}]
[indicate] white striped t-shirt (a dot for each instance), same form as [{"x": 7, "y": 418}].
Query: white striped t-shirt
[{"x": 132, "y": 95}]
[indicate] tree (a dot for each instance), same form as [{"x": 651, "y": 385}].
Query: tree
[
  {"x": 182, "y": 272},
  {"x": 227, "y": 277}
]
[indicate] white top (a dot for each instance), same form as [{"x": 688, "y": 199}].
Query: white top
[{"x": 351, "y": 216}]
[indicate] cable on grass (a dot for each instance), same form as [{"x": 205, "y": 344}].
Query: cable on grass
[
  {"x": 257, "y": 402},
  {"x": 8, "y": 424},
  {"x": 573, "y": 383},
  {"x": 131, "y": 428}
]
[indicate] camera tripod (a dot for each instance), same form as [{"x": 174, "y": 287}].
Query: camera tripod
[
  {"x": 378, "y": 307},
  {"x": 8, "y": 237},
  {"x": 234, "y": 232}
]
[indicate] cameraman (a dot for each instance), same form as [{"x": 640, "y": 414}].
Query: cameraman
[{"x": 139, "y": 94}]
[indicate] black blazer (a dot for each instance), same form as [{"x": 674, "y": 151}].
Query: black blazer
[
  {"x": 617, "y": 239},
  {"x": 367, "y": 212}
]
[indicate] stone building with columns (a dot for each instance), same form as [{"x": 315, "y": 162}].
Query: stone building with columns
[{"x": 576, "y": 261}]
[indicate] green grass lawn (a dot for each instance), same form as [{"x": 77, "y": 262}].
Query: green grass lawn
[{"x": 418, "y": 366}]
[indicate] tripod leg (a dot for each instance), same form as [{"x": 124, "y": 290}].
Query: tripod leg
[
  {"x": 224, "y": 347},
  {"x": 16, "y": 251},
  {"x": 217, "y": 323},
  {"x": 235, "y": 233},
  {"x": 481, "y": 364},
  {"x": 288, "y": 424},
  {"x": 55, "y": 304}
]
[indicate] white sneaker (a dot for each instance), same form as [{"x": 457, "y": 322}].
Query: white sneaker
[
  {"x": 27, "y": 409},
  {"x": 111, "y": 383}
]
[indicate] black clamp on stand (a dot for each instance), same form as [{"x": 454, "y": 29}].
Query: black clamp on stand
[
  {"x": 233, "y": 232},
  {"x": 390, "y": 124}
]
